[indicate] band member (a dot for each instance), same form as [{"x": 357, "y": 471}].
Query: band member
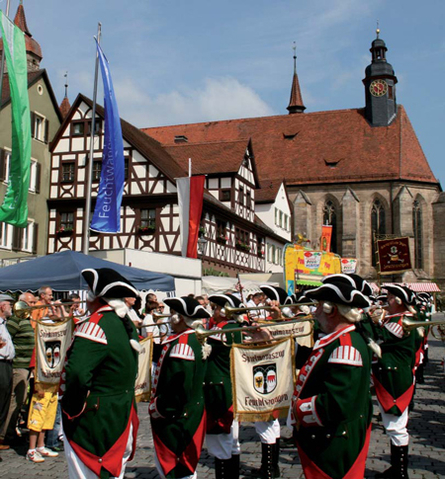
[
  {"x": 176, "y": 410},
  {"x": 99, "y": 416},
  {"x": 393, "y": 376},
  {"x": 331, "y": 405},
  {"x": 222, "y": 431}
]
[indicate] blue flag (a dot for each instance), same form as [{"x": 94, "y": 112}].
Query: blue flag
[{"x": 106, "y": 217}]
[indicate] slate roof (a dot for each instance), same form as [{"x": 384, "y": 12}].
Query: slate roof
[{"x": 337, "y": 146}]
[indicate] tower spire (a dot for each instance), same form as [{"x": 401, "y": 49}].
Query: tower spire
[
  {"x": 65, "y": 105},
  {"x": 296, "y": 101}
]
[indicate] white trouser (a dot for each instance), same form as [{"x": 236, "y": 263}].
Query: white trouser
[
  {"x": 224, "y": 446},
  {"x": 78, "y": 470},
  {"x": 395, "y": 427},
  {"x": 269, "y": 431},
  {"x": 161, "y": 472}
]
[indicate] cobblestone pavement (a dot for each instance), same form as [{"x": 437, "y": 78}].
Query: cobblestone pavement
[{"x": 427, "y": 448}]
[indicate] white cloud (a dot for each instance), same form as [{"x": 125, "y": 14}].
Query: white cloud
[{"x": 218, "y": 99}]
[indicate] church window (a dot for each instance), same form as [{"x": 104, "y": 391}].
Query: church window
[
  {"x": 330, "y": 218},
  {"x": 378, "y": 225},
  {"x": 417, "y": 229}
]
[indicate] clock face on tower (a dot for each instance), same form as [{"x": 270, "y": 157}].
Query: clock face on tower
[{"x": 378, "y": 87}]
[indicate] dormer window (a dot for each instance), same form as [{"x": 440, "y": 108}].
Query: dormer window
[
  {"x": 290, "y": 135},
  {"x": 332, "y": 163},
  {"x": 181, "y": 139}
]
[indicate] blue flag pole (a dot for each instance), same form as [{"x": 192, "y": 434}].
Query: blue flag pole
[{"x": 86, "y": 215}]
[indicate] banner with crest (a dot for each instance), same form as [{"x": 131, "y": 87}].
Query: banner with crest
[
  {"x": 142, "y": 388},
  {"x": 52, "y": 341},
  {"x": 262, "y": 380}
]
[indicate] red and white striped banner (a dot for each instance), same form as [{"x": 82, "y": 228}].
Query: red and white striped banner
[{"x": 190, "y": 199}]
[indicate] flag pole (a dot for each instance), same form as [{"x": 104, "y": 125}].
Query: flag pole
[
  {"x": 87, "y": 212},
  {"x": 2, "y": 69}
]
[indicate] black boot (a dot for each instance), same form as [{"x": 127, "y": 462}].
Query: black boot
[
  {"x": 276, "y": 459},
  {"x": 234, "y": 467},
  {"x": 388, "y": 474},
  {"x": 266, "y": 469},
  {"x": 402, "y": 473},
  {"x": 222, "y": 468}
]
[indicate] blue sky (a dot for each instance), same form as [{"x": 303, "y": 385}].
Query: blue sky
[{"x": 177, "y": 61}]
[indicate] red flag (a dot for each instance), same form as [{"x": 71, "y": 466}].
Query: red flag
[
  {"x": 190, "y": 199},
  {"x": 326, "y": 235}
]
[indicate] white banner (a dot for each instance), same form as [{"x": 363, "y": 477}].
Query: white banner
[
  {"x": 142, "y": 388},
  {"x": 52, "y": 341},
  {"x": 303, "y": 330},
  {"x": 262, "y": 380}
]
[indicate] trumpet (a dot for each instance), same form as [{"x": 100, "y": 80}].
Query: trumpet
[
  {"x": 202, "y": 334},
  {"x": 23, "y": 311},
  {"x": 410, "y": 324},
  {"x": 157, "y": 316},
  {"x": 230, "y": 312}
]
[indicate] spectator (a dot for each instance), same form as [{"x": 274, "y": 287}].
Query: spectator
[
  {"x": 22, "y": 335},
  {"x": 7, "y": 354}
]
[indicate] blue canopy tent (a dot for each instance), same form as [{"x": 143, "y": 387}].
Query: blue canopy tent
[{"x": 62, "y": 271}]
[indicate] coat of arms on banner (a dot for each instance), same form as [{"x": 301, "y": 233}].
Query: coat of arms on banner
[
  {"x": 52, "y": 353},
  {"x": 265, "y": 378}
]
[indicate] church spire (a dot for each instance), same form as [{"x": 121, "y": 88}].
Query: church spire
[
  {"x": 296, "y": 101},
  {"x": 65, "y": 105},
  {"x": 33, "y": 50}
]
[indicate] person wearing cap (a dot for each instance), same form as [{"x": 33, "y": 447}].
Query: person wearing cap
[
  {"x": 22, "y": 335},
  {"x": 222, "y": 431},
  {"x": 99, "y": 411},
  {"x": 393, "y": 377},
  {"x": 7, "y": 354},
  {"x": 176, "y": 409},
  {"x": 331, "y": 405}
]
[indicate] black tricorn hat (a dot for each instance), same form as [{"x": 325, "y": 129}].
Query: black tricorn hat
[
  {"x": 222, "y": 299},
  {"x": 339, "y": 290},
  {"x": 357, "y": 282},
  {"x": 108, "y": 283},
  {"x": 408, "y": 296},
  {"x": 187, "y": 307},
  {"x": 275, "y": 293}
]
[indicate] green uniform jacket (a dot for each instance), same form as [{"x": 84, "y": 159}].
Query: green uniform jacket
[
  {"x": 177, "y": 412},
  {"x": 332, "y": 407},
  {"x": 98, "y": 392},
  {"x": 393, "y": 373},
  {"x": 218, "y": 385}
]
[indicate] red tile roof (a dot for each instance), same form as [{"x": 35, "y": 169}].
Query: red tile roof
[
  {"x": 208, "y": 158},
  {"x": 322, "y": 147},
  {"x": 268, "y": 191}
]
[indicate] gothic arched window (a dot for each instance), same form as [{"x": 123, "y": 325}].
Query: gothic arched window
[
  {"x": 417, "y": 229},
  {"x": 378, "y": 225},
  {"x": 330, "y": 218}
]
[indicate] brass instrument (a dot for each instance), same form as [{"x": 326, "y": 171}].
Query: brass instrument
[
  {"x": 410, "y": 324},
  {"x": 23, "y": 311},
  {"x": 230, "y": 312},
  {"x": 157, "y": 316},
  {"x": 202, "y": 334}
]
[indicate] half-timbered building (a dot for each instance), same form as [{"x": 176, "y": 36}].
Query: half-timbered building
[{"x": 235, "y": 236}]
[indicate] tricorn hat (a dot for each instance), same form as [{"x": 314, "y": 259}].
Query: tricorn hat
[
  {"x": 339, "y": 290},
  {"x": 407, "y": 296},
  {"x": 357, "y": 282},
  {"x": 275, "y": 293},
  {"x": 187, "y": 307},
  {"x": 108, "y": 283},
  {"x": 222, "y": 299}
]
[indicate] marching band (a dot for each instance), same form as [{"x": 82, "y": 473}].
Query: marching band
[{"x": 354, "y": 343}]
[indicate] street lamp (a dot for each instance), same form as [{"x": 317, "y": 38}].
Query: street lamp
[{"x": 202, "y": 244}]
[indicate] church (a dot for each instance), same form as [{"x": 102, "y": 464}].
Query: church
[{"x": 361, "y": 170}]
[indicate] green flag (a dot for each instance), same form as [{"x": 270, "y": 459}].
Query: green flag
[{"x": 14, "y": 209}]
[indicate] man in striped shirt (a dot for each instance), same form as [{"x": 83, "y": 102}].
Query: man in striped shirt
[{"x": 22, "y": 335}]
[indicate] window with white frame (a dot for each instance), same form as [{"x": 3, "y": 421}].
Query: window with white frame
[
  {"x": 27, "y": 238},
  {"x": 33, "y": 176},
  {"x": 5, "y": 236},
  {"x": 39, "y": 127}
]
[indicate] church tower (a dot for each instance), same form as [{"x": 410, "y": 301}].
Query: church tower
[
  {"x": 380, "y": 87},
  {"x": 33, "y": 51},
  {"x": 296, "y": 100}
]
